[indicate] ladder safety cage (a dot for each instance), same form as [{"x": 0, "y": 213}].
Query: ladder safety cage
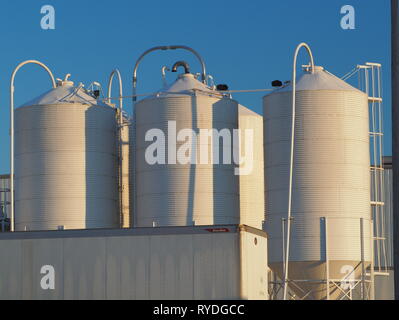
[{"x": 369, "y": 80}]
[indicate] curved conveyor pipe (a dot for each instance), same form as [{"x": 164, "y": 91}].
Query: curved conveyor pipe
[
  {"x": 183, "y": 64},
  {"x": 289, "y": 214},
  {"x": 120, "y": 124},
  {"x": 111, "y": 78},
  {"x": 12, "y": 88},
  {"x": 163, "y": 48}
]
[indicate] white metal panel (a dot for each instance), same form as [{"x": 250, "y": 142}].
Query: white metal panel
[
  {"x": 35, "y": 255},
  {"x": 84, "y": 268},
  {"x": 254, "y": 271},
  {"x": 127, "y": 267},
  {"x": 129, "y": 264},
  {"x": 210, "y": 264},
  {"x": 141, "y": 250},
  {"x": 226, "y": 279},
  {"x": 11, "y": 270}
]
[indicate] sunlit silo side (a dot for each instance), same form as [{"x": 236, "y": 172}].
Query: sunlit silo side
[
  {"x": 331, "y": 183},
  {"x": 252, "y": 187},
  {"x": 66, "y": 162},
  {"x": 124, "y": 167},
  {"x": 132, "y": 179},
  {"x": 171, "y": 192}
]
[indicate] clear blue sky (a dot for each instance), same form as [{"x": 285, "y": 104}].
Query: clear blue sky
[{"x": 246, "y": 44}]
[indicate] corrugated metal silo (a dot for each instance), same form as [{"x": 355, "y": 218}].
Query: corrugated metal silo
[
  {"x": 252, "y": 187},
  {"x": 66, "y": 162},
  {"x": 176, "y": 194},
  {"x": 331, "y": 182}
]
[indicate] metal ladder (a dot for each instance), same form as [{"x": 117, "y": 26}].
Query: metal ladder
[{"x": 370, "y": 81}]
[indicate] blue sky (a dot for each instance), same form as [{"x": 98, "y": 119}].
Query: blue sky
[{"x": 245, "y": 44}]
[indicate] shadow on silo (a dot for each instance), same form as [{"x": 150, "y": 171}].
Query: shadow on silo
[
  {"x": 98, "y": 181},
  {"x": 191, "y": 187},
  {"x": 221, "y": 213}
]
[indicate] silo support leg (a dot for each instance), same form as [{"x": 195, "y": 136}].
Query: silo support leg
[
  {"x": 372, "y": 288},
  {"x": 327, "y": 258},
  {"x": 363, "y": 291}
]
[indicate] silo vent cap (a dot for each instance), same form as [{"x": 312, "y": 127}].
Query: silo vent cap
[
  {"x": 308, "y": 68},
  {"x": 65, "y": 82}
]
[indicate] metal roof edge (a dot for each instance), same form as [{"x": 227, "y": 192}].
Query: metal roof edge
[{"x": 150, "y": 231}]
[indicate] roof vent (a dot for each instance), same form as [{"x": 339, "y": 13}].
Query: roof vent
[
  {"x": 277, "y": 83},
  {"x": 222, "y": 87},
  {"x": 65, "y": 82}
]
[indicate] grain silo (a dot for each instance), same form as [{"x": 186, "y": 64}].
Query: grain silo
[
  {"x": 331, "y": 225},
  {"x": 197, "y": 190},
  {"x": 252, "y": 187},
  {"x": 66, "y": 161}
]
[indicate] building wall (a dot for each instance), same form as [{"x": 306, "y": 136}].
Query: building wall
[
  {"x": 153, "y": 263},
  {"x": 254, "y": 267}
]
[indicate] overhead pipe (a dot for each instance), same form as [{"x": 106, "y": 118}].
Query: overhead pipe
[{"x": 12, "y": 89}]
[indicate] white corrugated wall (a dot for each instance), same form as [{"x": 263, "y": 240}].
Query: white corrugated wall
[{"x": 252, "y": 201}]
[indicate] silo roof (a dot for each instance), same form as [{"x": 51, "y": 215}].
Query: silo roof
[
  {"x": 319, "y": 80},
  {"x": 65, "y": 93},
  {"x": 186, "y": 84}
]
